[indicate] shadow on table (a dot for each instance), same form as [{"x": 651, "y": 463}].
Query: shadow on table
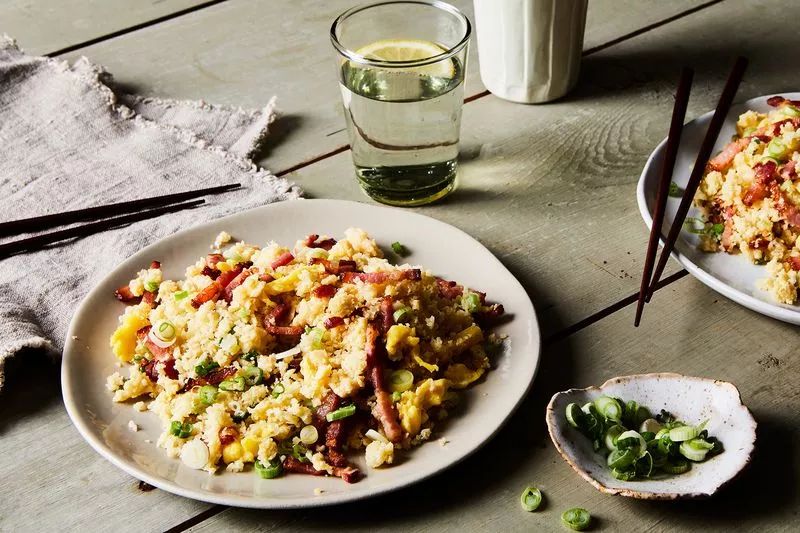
[
  {"x": 279, "y": 132},
  {"x": 32, "y": 383},
  {"x": 767, "y": 488}
]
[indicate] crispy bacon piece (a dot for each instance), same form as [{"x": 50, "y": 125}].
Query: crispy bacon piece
[
  {"x": 333, "y": 322},
  {"x": 169, "y": 368},
  {"x": 213, "y": 259},
  {"x": 413, "y": 274},
  {"x": 794, "y": 262},
  {"x": 723, "y": 159},
  {"x": 277, "y": 315},
  {"x": 765, "y": 175},
  {"x": 124, "y": 295},
  {"x": 227, "y": 435},
  {"x": 384, "y": 410},
  {"x": 149, "y": 369},
  {"x": 334, "y": 439},
  {"x": 149, "y": 297},
  {"x": 789, "y": 171},
  {"x": 775, "y": 129},
  {"x": 324, "y": 291},
  {"x": 155, "y": 264},
  {"x": 387, "y": 313},
  {"x": 159, "y": 353},
  {"x": 192, "y": 383},
  {"x": 490, "y": 314},
  {"x": 282, "y": 260},
  {"x": 777, "y": 101},
  {"x": 227, "y": 293},
  {"x": 286, "y": 331},
  {"x": 349, "y": 474},
  {"x": 449, "y": 289},
  {"x": 343, "y": 265},
  {"x": 290, "y": 464},
  {"x": 266, "y": 278},
  {"x": 787, "y": 209},
  {"x": 210, "y": 272},
  {"x": 726, "y": 240},
  {"x": 215, "y": 288},
  {"x": 325, "y": 244},
  {"x": 330, "y": 403},
  {"x": 215, "y": 377}
]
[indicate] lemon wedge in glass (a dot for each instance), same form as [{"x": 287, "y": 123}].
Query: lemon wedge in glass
[{"x": 409, "y": 50}]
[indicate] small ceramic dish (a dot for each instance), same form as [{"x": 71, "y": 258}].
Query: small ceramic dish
[{"x": 690, "y": 399}]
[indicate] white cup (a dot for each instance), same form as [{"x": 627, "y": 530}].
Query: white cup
[{"x": 530, "y": 50}]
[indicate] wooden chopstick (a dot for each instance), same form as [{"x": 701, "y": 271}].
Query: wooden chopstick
[
  {"x": 40, "y": 241},
  {"x": 670, "y": 154},
  {"x": 28, "y": 225},
  {"x": 714, "y": 127}
]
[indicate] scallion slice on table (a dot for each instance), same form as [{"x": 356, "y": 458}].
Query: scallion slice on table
[
  {"x": 576, "y": 518},
  {"x": 342, "y": 412},
  {"x": 399, "y": 249},
  {"x": 662, "y": 444},
  {"x": 270, "y": 470},
  {"x": 530, "y": 499}
]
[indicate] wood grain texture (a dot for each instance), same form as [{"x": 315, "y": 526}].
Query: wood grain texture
[
  {"x": 696, "y": 334},
  {"x": 241, "y": 53},
  {"x": 43, "y": 26}
]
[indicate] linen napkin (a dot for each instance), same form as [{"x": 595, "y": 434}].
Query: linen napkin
[{"x": 69, "y": 139}]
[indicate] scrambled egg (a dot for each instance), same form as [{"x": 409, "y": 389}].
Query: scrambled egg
[
  {"x": 750, "y": 198},
  {"x": 239, "y": 357}
]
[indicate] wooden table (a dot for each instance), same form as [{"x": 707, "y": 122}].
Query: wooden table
[{"x": 549, "y": 189}]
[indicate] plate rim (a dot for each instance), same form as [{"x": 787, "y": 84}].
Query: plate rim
[
  {"x": 766, "y": 308},
  {"x": 255, "y": 502}
]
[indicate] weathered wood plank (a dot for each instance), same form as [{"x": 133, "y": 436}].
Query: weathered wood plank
[
  {"x": 42, "y": 26},
  {"x": 687, "y": 329},
  {"x": 241, "y": 53}
]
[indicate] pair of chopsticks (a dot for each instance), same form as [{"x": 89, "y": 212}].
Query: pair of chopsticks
[
  {"x": 649, "y": 281},
  {"x": 105, "y": 217}
]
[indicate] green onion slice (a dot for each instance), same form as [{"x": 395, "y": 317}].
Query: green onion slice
[
  {"x": 401, "y": 314},
  {"x": 577, "y": 519},
  {"x": 278, "y": 389},
  {"x": 609, "y": 407},
  {"x": 693, "y": 453},
  {"x": 612, "y": 434},
  {"x": 207, "y": 394},
  {"x": 471, "y": 302},
  {"x": 236, "y": 384},
  {"x": 151, "y": 286},
  {"x": 575, "y": 416},
  {"x": 252, "y": 375},
  {"x": 677, "y": 466},
  {"x": 251, "y": 356},
  {"x": 342, "y": 412},
  {"x": 530, "y": 499},
  {"x": 181, "y": 430},
  {"x": 316, "y": 335},
  {"x": 396, "y": 396},
  {"x": 623, "y": 474},
  {"x": 682, "y": 433},
  {"x": 644, "y": 465},
  {"x": 205, "y": 367},
  {"x": 675, "y": 191},
  {"x": 621, "y": 459},
  {"x": 165, "y": 331},
  {"x": 401, "y": 380},
  {"x": 399, "y": 249},
  {"x": 180, "y": 295},
  {"x": 270, "y": 470},
  {"x": 776, "y": 147}
]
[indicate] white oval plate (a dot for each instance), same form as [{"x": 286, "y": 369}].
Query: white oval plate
[
  {"x": 732, "y": 276},
  {"x": 436, "y": 246}
]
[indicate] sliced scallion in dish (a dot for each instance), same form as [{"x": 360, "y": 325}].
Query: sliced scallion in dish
[
  {"x": 401, "y": 314},
  {"x": 180, "y": 429},
  {"x": 180, "y": 295},
  {"x": 399, "y": 249},
  {"x": 530, "y": 499},
  {"x": 662, "y": 444},
  {"x": 278, "y": 389},
  {"x": 401, "y": 380},
  {"x": 675, "y": 191},
  {"x": 207, "y": 394},
  {"x": 252, "y": 375},
  {"x": 236, "y": 384},
  {"x": 205, "y": 367},
  {"x": 576, "y": 518}
]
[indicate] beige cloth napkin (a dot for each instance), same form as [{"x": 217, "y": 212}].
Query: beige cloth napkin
[{"x": 68, "y": 140}]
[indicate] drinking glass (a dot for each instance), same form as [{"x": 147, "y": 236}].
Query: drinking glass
[{"x": 401, "y": 71}]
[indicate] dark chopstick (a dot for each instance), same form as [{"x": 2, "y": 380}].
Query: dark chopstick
[
  {"x": 40, "y": 241},
  {"x": 714, "y": 127},
  {"x": 28, "y": 225},
  {"x": 670, "y": 154}
]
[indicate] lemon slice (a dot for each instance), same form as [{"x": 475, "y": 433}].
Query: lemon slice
[{"x": 410, "y": 50}]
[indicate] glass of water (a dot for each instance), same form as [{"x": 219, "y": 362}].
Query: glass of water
[{"x": 401, "y": 72}]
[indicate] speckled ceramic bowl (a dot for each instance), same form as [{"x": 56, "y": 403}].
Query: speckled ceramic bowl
[{"x": 688, "y": 398}]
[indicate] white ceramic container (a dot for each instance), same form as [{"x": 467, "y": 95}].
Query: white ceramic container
[{"x": 530, "y": 50}]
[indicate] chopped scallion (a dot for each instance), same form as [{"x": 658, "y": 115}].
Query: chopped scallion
[
  {"x": 236, "y": 384},
  {"x": 252, "y": 375},
  {"x": 180, "y": 295},
  {"x": 401, "y": 314},
  {"x": 180, "y": 430},
  {"x": 278, "y": 389},
  {"x": 342, "y": 412},
  {"x": 530, "y": 499},
  {"x": 577, "y": 519},
  {"x": 675, "y": 191},
  {"x": 270, "y": 470},
  {"x": 207, "y": 394},
  {"x": 401, "y": 380},
  {"x": 399, "y": 249},
  {"x": 205, "y": 367}
]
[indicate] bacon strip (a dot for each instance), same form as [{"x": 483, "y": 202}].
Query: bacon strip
[
  {"x": 290, "y": 464},
  {"x": 787, "y": 209},
  {"x": 286, "y": 331},
  {"x": 215, "y": 377},
  {"x": 765, "y": 174},
  {"x": 124, "y": 295},
  {"x": 277, "y": 315},
  {"x": 149, "y": 297},
  {"x": 227, "y": 293},
  {"x": 282, "y": 260},
  {"x": 777, "y": 101},
  {"x": 344, "y": 265},
  {"x": 413, "y": 274},
  {"x": 723, "y": 159},
  {"x": 159, "y": 353},
  {"x": 387, "y": 313},
  {"x": 794, "y": 262},
  {"x": 775, "y": 129},
  {"x": 329, "y": 404},
  {"x": 333, "y": 322},
  {"x": 227, "y": 435},
  {"x": 213, "y": 259},
  {"x": 325, "y": 244},
  {"x": 348, "y": 474},
  {"x": 449, "y": 289},
  {"x": 215, "y": 288},
  {"x": 324, "y": 291},
  {"x": 334, "y": 439},
  {"x": 384, "y": 410},
  {"x": 488, "y": 315}
]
